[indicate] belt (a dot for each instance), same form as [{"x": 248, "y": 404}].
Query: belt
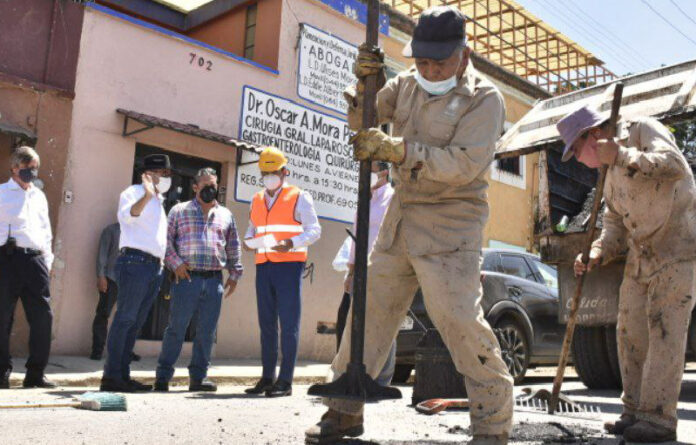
[
  {"x": 28, "y": 251},
  {"x": 205, "y": 273},
  {"x": 147, "y": 256}
]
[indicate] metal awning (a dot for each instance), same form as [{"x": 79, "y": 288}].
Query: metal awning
[
  {"x": 666, "y": 93},
  {"x": 21, "y": 133},
  {"x": 150, "y": 122}
]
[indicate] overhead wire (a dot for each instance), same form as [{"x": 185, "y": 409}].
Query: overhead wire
[
  {"x": 672, "y": 25},
  {"x": 612, "y": 36},
  {"x": 683, "y": 12},
  {"x": 587, "y": 33}
]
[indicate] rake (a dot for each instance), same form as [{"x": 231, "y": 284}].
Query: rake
[
  {"x": 539, "y": 400},
  {"x": 90, "y": 401}
]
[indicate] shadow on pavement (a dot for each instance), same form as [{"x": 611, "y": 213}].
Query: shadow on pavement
[{"x": 216, "y": 396}]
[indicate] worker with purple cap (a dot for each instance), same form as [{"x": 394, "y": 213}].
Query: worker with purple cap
[
  {"x": 650, "y": 212},
  {"x": 446, "y": 119}
]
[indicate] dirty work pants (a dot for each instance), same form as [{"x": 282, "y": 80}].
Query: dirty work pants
[
  {"x": 25, "y": 277},
  {"x": 279, "y": 298},
  {"x": 452, "y": 293},
  {"x": 652, "y": 327}
]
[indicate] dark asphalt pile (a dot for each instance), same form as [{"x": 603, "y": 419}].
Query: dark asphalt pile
[
  {"x": 545, "y": 432},
  {"x": 577, "y": 224}
]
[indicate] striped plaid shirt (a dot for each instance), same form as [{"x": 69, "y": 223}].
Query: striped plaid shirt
[{"x": 204, "y": 245}]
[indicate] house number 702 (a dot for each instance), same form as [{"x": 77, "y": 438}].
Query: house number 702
[{"x": 200, "y": 61}]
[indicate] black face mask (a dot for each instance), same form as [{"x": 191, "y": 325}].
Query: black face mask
[
  {"x": 208, "y": 193},
  {"x": 28, "y": 174}
]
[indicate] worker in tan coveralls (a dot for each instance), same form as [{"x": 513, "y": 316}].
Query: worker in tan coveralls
[
  {"x": 651, "y": 209},
  {"x": 446, "y": 117}
]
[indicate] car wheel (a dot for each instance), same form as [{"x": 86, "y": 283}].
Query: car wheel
[
  {"x": 591, "y": 358},
  {"x": 402, "y": 373},
  {"x": 514, "y": 348}
]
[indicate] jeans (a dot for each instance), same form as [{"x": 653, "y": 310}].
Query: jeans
[
  {"x": 25, "y": 277},
  {"x": 139, "y": 280},
  {"x": 387, "y": 373},
  {"x": 278, "y": 297},
  {"x": 201, "y": 295},
  {"x": 106, "y": 303}
]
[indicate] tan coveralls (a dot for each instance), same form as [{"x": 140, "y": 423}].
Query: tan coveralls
[
  {"x": 431, "y": 236},
  {"x": 651, "y": 207}
]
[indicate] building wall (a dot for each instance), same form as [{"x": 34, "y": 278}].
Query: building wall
[
  {"x": 159, "y": 80},
  {"x": 48, "y": 113}
]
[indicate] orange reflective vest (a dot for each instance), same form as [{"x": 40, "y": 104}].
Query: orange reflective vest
[{"x": 278, "y": 221}]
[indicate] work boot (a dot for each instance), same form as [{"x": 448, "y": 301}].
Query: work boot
[
  {"x": 205, "y": 385},
  {"x": 263, "y": 385},
  {"x": 95, "y": 355},
  {"x": 5, "y": 380},
  {"x": 493, "y": 439},
  {"x": 334, "y": 426},
  {"x": 38, "y": 382},
  {"x": 644, "y": 431},
  {"x": 617, "y": 428},
  {"x": 161, "y": 385}
]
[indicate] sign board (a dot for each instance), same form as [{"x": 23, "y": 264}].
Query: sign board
[
  {"x": 320, "y": 159},
  {"x": 325, "y": 68},
  {"x": 357, "y": 10}
]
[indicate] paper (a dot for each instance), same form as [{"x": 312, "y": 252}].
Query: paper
[{"x": 263, "y": 242}]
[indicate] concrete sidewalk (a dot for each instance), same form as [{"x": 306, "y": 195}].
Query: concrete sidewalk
[{"x": 81, "y": 371}]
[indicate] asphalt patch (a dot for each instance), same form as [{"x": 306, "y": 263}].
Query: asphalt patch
[{"x": 544, "y": 432}]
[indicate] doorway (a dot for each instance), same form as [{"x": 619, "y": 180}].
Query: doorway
[{"x": 184, "y": 169}]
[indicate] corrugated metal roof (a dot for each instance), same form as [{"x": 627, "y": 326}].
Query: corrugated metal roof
[
  {"x": 190, "y": 129},
  {"x": 19, "y": 132},
  {"x": 665, "y": 93}
]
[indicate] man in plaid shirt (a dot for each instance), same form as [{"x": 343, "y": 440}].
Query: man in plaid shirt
[{"x": 202, "y": 240}]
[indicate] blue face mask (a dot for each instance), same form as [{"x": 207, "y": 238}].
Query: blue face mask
[{"x": 436, "y": 88}]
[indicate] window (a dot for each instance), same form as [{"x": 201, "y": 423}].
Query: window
[
  {"x": 516, "y": 266},
  {"x": 510, "y": 165},
  {"x": 250, "y": 32},
  {"x": 548, "y": 274},
  {"x": 490, "y": 262}
]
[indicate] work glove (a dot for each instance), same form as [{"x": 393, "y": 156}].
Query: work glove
[
  {"x": 368, "y": 62},
  {"x": 375, "y": 145}
]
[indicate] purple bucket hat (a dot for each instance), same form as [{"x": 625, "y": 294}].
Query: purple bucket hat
[{"x": 574, "y": 124}]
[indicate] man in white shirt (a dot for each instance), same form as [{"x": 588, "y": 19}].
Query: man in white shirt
[
  {"x": 287, "y": 213},
  {"x": 25, "y": 264},
  {"x": 142, "y": 243},
  {"x": 381, "y": 193}
]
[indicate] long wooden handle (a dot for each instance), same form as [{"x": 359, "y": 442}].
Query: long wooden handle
[
  {"x": 575, "y": 302},
  {"x": 43, "y": 405}
]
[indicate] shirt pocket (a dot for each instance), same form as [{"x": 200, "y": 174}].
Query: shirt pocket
[{"x": 441, "y": 131}]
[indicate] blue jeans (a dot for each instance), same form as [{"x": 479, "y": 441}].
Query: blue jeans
[
  {"x": 203, "y": 295},
  {"x": 139, "y": 280},
  {"x": 278, "y": 296}
]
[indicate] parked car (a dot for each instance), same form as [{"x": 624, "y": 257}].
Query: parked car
[{"x": 520, "y": 301}]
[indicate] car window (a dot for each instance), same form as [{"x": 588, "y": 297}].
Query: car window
[
  {"x": 548, "y": 273},
  {"x": 516, "y": 266},
  {"x": 489, "y": 262}
]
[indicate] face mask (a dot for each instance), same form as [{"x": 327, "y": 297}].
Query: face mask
[
  {"x": 28, "y": 174},
  {"x": 436, "y": 88},
  {"x": 164, "y": 184},
  {"x": 208, "y": 194},
  {"x": 588, "y": 154},
  {"x": 374, "y": 178},
  {"x": 271, "y": 182}
]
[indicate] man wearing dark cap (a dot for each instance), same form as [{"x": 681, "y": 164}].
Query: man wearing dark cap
[
  {"x": 446, "y": 118},
  {"x": 142, "y": 243},
  {"x": 650, "y": 211}
]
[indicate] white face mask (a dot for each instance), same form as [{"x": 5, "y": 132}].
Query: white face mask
[
  {"x": 436, "y": 88},
  {"x": 271, "y": 182},
  {"x": 164, "y": 184},
  {"x": 374, "y": 178}
]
